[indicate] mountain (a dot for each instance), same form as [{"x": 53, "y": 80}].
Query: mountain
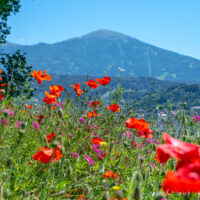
[{"x": 105, "y": 50}]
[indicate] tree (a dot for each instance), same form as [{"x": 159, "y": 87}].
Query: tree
[
  {"x": 7, "y": 7},
  {"x": 17, "y": 76}
]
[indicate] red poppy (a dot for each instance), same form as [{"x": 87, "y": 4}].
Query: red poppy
[
  {"x": 45, "y": 154},
  {"x": 141, "y": 126},
  {"x": 104, "y": 81},
  {"x": 92, "y": 84},
  {"x": 174, "y": 148},
  {"x": 29, "y": 106},
  {"x": 77, "y": 89},
  {"x": 1, "y": 97},
  {"x": 3, "y": 85},
  {"x": 49, "y": 99},
  {"x": 40, "y": 118},
  {"x": 50, "y": 136},
  {"x": 92, "y": 114},
  {"x": 40, "y": 77},
  {"x": 109, "y": 174},
  {"x": 114, "y": 108},
  {"x": 97, "y": 141},
  {"x": 56, "y": 90},
  {"x": 185, "y": 180},
  {"x": 94, "y": 104}
]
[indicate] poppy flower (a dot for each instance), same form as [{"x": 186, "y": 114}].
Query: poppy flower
[
  {"x": 97, "y": 141},
  {"x": 107, "y": 174},
  {"x": 3, "y": 85},
  {"x": 177, "y": 149},
  {"x": 56, "y": 90},
  {"x": 92, "y": 114},
  {"x": 40, "y": 77},
  {"x": 104, "y": 81},
  {"x": 92, "y": 84},
  {"x": 1, "y": 97},
  {"x": 40, "y": 118},
  {"x": 45, "y": 154},
  {"x": 185, "y": 180},
  {"x": 94, "y": 104},
  {"x": 50, "y": 136},
  {"x": 49, "y": 99},
  {"x": 77, "y": 89},
  {"x": 114, "y": 108},
  {"x": 29, "y": 106}
]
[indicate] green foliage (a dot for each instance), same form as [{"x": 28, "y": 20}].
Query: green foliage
[
  {"x": 17, "y": 75},
  {"x": 6, "y": 8}
]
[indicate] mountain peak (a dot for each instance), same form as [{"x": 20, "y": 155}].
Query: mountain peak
[{"x": 104, "y": 34}]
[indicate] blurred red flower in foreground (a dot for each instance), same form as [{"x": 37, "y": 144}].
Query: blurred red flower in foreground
[
  {"x": 184, "y": 180},
  {"x": 77, "y": 89},
  {"x": 174, "y": 148},
  {"x": 50, "y": 136},
  {"x": 92, "y": 84},
  {"x": 45, "y": 154},
  {"x": 104, "y": 81},
  {"x": 94, "y": 104}
]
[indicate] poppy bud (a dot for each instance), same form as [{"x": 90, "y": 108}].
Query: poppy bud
[
  {"x": 159, "y": 196},
  {"x": 55, "y": 144},
  {"x": 106, "y": 196},
  {"x": 60, "y": 112},
  {"x": 23, "y": 125},
  {"x": 6, "y": 193},
  {"x": 69, "y": 170},
  {"x": 8, "y": 163},
  {"x": 137, "y": 193}
]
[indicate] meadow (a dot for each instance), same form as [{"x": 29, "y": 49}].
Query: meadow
[{"x": 80, "y": 148}]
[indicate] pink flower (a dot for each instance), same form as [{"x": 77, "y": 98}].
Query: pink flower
[
  {"x": 4, "y": 122},
  {"x": 18, "y": 124},
  {"x": 9, "y": 112},
  {"x": 75, "y": 155},
  {"x": 90, "y": 161},
  {"x": 81, "y": 119},
  {"x": 36, "y": 126}
]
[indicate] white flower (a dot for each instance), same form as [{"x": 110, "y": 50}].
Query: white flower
[{"x": 121, "y": 69}]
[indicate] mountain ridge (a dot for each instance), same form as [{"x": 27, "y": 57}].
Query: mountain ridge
[{"x": 107, "y": 50}]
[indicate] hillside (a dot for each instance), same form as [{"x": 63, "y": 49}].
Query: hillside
[{"x": 106, "y": 50}]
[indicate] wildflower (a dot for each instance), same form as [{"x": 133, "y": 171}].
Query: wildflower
[
  {"x": 92, "y": 84},
  {"x": 90, "y": 161},
  {"x": 105, "y": 81},
  {"x": 92, "y": 114},
  {"x": 121, "y": 69},
  {"x": 49, "y": 99},
  {"x": 45, "y": 154},
  {"x": 29, "y": 106},
  {"x": 56, "y": 90},
  {"x": 81, "y": 119},
  {"x": 97, "y": 141},
  {"x": 174, "y": 148},
  {"x": 196, "y": 118},
  {"x": 114, "y": 108},
  {"x": 70, "y": 135},
  {"x": 9, "y": 112},
  {"x": 94, "y": 104},
  {"x": 95, "y": 127},
  {"x": 75, "y": 155},
  {"x": 1, "y": 97},
  {"x": 36, "y": 125},
  {"x": 40, "y": 77},
  {"x": 40, "y": 118},
  {"x": 4, "y": 122},
  {"x": 115, "y": 187},
  {"x": 184, "y": 180},
  {"x": 109, "y": 174},
  {"x": 18, "y": 124},
  {"x": 128, "y": 134},
  {"x": 77, "y": 89},
  {"x": 50, "y": 136}
]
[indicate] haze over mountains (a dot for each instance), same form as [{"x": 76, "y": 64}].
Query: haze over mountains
[{"x": 107, "y": 50}]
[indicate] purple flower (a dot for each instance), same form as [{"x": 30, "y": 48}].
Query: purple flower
[
  {"x": 18, "y": 124},
  {"x": 149, "y": 151},
  {"x": 81, "y": 119},
  {"x": 152, "y": 165},
  {"x": 70, "y": 135},
  {"x": 75, "y": 155},
  {"x": 90, "y": 161},
  {"x": 4, "y": 122},
  {"x": 149, "y": 141},
  {"x": 9, "y": 112},
  {"x": 36, "y": 126},
  {"x": 128, "y": 134},
  {"x": 95, "y": 127},
  {"x": 196, "y": 118}
]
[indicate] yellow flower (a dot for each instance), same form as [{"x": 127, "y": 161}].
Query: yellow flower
[
  {"x": 115, "y": 187},
  {"x": 103, "y": 143}
]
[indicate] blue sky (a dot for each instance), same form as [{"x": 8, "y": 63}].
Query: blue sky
[{"x": 169, "y": 24}]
